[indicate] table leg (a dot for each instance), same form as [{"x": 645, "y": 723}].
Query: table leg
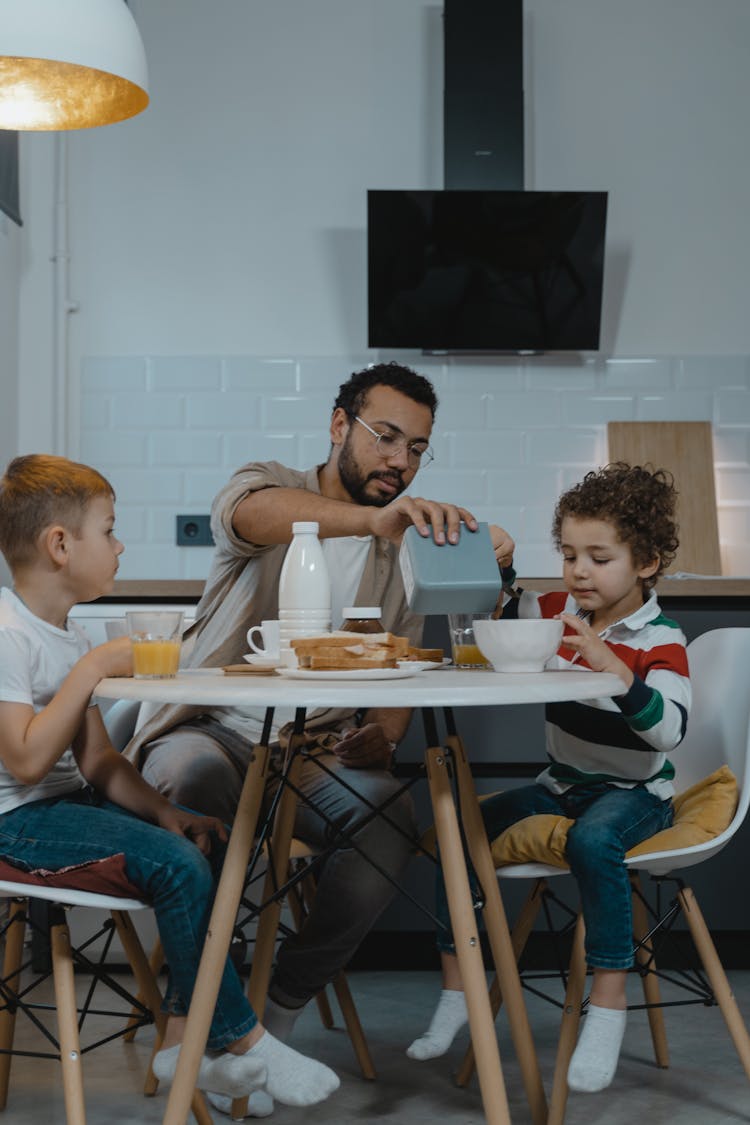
[
  {"x": 218, "y": 938},
  {"x": 466, "y": 935},
  {"x": 498, "y": 933}
]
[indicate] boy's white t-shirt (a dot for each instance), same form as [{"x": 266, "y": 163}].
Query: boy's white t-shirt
[{"x": 35, "y": 658}]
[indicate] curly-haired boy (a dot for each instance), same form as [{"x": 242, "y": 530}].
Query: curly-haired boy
[{"x": 608, "y": 770}]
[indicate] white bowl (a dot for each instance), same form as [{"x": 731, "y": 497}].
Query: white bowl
[{"x": 518, "y": 646}]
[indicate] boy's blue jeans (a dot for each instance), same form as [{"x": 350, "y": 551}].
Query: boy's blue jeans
[
  {"x": 608, "y": 822},
  {"x": 175, "y": 877}
]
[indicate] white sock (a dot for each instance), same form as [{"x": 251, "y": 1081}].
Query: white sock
[
  {"x": 594, "y": 1060},
  {"x": 448, "y": 1019},
  {"x": 293, "y": 1079},
  {"x": 233, "y": 1075},
  {"x": 260, "y": 1104},
  {"x": 280, "y": 1022}
]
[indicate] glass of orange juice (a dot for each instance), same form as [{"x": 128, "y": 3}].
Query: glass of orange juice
[
  {"x": 464, "y": 649},
  {"x": 156, "y": 636}
]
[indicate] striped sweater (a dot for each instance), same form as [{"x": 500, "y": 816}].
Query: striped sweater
[{"x": 625, "y": 739}]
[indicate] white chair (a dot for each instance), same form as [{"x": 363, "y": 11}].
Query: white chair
[
  {"x": 19, "y": 979},
  {"x": 718, "y": 733}
]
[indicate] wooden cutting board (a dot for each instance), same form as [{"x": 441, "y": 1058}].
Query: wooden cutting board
[{"x": 686, "y": 449}]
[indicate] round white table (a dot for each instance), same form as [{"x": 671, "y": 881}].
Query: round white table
[{"x": 447, "y": 761}]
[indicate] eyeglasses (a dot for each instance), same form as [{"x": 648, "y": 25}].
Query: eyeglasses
[{"x": 391, "y": 445}]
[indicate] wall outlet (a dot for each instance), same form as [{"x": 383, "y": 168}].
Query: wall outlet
[{"x": 194, "y": 531}]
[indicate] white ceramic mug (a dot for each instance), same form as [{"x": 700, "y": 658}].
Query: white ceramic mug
[{"x": 270, "y": 638}]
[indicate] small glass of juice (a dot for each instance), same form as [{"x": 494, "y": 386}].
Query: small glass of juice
[
  {"x": 464, "y": 648},
  {"x": 156, "y": 636}
]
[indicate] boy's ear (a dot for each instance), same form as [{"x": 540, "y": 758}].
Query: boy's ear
[
  {"x": 649, "y": 570},
  {"x": 55, "y": 543}
]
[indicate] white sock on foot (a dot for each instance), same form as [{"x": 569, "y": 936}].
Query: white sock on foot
[
  {"x": 280, "y": 1022},
  {"x": 260, "y": 1104},
  {"x": 233, "y": 1075},
  {"x": 448, "y": 1019},
  {"x": 594, "y": 1060},
  {"x": 293, "y": 1079}
]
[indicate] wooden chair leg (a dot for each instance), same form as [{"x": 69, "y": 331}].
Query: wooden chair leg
[
  {"x": 353, "y": 1026},
  {"x": 716, "y": 975},
  {"x": 155, "y": 964},
  {"x": 294, "y": 898},
  {"x": 519, "y": 936},
  {"x": 67, "y": 1022},
  {"x": 14, "y": 935},
  {"x": 568, "y": 1026},
  {"x": 278, "y": 865},
  {"x": 644, "y": 955},
  {"x": 348, "y": 1008}
]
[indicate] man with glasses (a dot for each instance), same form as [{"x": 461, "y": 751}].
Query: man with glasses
[{"x": 380, "y": 433}]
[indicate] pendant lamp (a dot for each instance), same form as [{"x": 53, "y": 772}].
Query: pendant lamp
[{"x": 69, "y": 64}]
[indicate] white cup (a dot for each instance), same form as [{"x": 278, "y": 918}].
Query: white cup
[
  {"x": 117, "y": 627},
  {"x": 270, "y": 636}
]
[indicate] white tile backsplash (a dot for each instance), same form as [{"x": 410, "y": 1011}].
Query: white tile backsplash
[{"x": 510, "y": 433}]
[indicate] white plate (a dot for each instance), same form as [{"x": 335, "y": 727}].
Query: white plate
[
  {"x": 425, "y": 665},
  {"x": 346, "y": 673},
  {"x": 259, "y": 661}
]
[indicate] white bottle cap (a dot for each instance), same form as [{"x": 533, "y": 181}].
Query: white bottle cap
[
  {"x": 353, "y": 612},
  {"x": 303, "y": 526}
]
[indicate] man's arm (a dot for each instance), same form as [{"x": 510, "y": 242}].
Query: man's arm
[
  {"x": 372, "y": 744},
  {"x": 265, "y": 517}
]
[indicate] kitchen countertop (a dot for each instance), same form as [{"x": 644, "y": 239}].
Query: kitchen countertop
[{"x": 693, "y": 587}]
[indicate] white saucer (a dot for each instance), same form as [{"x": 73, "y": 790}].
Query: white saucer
[
  {"x": 425, "y": 665},
  {"x": 259, "y": 661}
]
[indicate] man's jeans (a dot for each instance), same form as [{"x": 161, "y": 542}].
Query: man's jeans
[
  {"x": 608, "y": 822},
  {"x": 172, "y": 873}
]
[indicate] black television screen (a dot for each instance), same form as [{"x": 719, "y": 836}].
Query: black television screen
[{"x": 485, "y": 271}]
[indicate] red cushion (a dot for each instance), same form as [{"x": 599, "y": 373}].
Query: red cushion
[{"x": 101, "y": 876}]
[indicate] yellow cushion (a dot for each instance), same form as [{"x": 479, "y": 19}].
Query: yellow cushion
[{"x": 701, "y": 813}]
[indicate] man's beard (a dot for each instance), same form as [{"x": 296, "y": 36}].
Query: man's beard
[{"x": 355, "y": 483}]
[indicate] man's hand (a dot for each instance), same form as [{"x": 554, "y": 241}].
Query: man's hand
[
  {"x": 428, "y": 516},
  {"x": 598, "y": 655},
  {"x": 197, "y": 828},
  {"x": 364, "y": 748},
  {"x": 503, "y": 545}
]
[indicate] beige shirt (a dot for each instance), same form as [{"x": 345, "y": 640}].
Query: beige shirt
[{"x": 242, "y": 589}]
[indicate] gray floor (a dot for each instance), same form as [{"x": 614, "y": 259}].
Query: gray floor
[{"x": 705, "y": 1084}]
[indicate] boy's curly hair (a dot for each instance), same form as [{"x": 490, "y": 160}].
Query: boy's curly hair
[{"x": 638, "y": 500}]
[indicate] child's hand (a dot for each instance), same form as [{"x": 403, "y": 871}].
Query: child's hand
[
  {"x": 113, "y": 658},
  {"x": 503, "y": 545},
  {"x": 197, "y": 828},
  {"x": 579, "y": 636}
]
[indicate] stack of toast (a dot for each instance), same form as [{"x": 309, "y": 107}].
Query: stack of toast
[{"x": 357, "y": 651}]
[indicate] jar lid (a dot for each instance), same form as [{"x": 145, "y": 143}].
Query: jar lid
[
  {"x": 303, "y": 526},
  {"x": 355, "y": 612}
]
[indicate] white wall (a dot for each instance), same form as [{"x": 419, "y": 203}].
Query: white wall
[
  {"x": 218, "y": 252},
  {"x": 10, "y": 244}
]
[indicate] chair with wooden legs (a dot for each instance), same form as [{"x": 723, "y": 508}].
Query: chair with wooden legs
[
  {"x": 16, "y": 987},
  {"x": 708, "y": 812}
]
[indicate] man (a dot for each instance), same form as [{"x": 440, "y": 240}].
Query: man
[{"x": 380, "y": 432}]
